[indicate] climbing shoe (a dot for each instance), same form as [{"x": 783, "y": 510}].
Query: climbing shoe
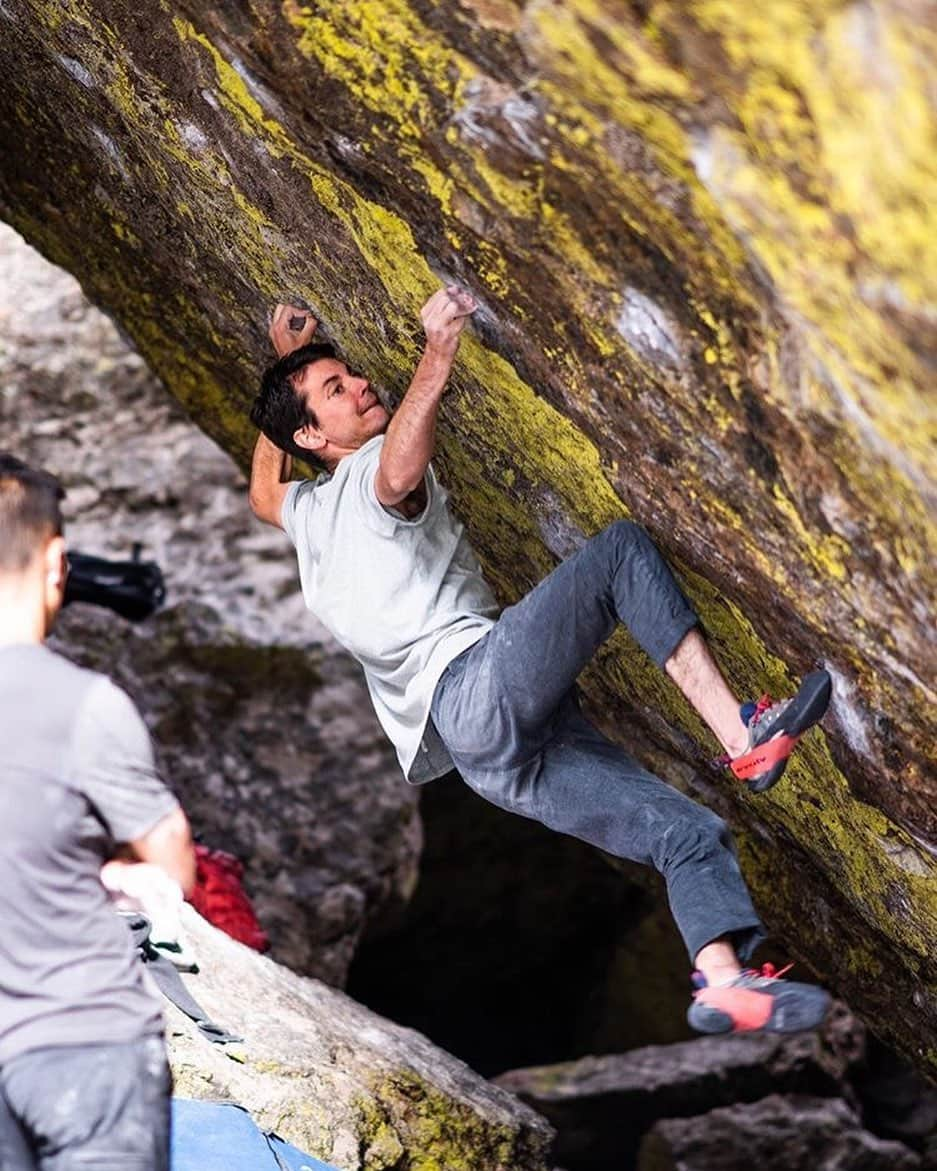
[
  {"x": 775, "y": 728},
  {"x": 757, "y": 1000}
]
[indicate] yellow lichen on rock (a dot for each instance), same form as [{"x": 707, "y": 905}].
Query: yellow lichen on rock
[
  {"x": 702, "y": 240},
  {"x": 833, "y": 166}
]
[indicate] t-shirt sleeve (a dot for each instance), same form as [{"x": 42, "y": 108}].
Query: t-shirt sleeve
[
  {"x": 295, "y": 507},
  {"x": 375, "y": 515},
  {"x": 113, "y": 764}
]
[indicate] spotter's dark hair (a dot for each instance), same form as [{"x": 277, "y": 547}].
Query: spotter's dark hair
[
  {"x": 279, "y": 409},
  {"x": 30, "y": 512}
]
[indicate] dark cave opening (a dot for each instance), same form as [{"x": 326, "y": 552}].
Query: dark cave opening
[{"x": 510, "y": 952}]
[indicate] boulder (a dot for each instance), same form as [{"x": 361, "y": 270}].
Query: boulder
[
  {"x": 776, "y": 1134},
  {"x": 701, "y": 244},
  {"x": 336, "y": 1080},
  {"x": 602, "y": 1106}
]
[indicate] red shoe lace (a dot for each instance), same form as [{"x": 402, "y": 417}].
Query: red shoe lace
[
  {"x": 760, "y": 708},
  {"x": 770, "y": 972}
]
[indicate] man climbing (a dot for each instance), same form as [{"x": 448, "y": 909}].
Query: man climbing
[
  {"x": 388, "y": 569},
  {"x": 84, "y": 1081}
]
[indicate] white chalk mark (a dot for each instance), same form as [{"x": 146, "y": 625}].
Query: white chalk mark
[
  {"x": 648, "y": 328},
  {"x": 78, "y": 71}
]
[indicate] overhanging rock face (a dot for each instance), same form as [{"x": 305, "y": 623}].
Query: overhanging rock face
[{"x": 702, "y": 237}]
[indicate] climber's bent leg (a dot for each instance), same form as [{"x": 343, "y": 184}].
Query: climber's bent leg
[
  {"x": 511, "y": 683},
  {"x": 582, "y": 784}
]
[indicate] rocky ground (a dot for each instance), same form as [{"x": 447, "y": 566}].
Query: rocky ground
[
  {"x": 340, "y": 1082},
  {"x": 810, "y": 1102}
]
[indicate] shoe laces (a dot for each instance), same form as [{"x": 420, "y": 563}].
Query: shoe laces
[
  {"x": 763, "y": 704},
  {"x": 749, "y": 975},
  {"x": 765, "y": 973}
]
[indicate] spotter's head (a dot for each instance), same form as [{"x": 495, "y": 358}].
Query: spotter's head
[{"x": 32, "y": 548}]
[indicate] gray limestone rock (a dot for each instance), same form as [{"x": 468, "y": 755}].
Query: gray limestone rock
[
  {"x": 335, "y": 1079},
  {"x": 601, "y": 1106},
  {"x": 776, "y": 1134}
]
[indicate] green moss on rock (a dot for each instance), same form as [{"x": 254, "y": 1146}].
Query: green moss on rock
[{"x": 702, "y": 239}]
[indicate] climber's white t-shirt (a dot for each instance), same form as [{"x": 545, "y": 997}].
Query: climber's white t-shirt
[{"x": 403, "y": 596}]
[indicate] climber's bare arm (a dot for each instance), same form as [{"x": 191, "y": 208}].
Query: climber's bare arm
[
  {"x": 270, "y": 476},
  {"x": 290, "y": 328},
  {"x": 411, "y": 433}
]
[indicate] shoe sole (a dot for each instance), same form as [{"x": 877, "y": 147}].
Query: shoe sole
[
  {"x": 807, "y": 708},
  {"x": 795, "y": 1009}
]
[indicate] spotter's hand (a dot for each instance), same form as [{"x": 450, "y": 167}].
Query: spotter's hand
[
  {"x": 444, "y": 316},
  {"x": 290, "y": 328}
]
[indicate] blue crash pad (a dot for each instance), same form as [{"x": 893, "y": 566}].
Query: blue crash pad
[{"x": 220, "y": 1136}]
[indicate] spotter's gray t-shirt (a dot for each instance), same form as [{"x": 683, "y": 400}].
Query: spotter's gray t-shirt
[
  {"x": 76, "y": 777},
  {"x": 405, "y": 597}
]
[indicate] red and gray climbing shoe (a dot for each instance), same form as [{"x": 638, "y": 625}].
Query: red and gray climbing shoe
[
  {"x": 775, "y": 728},
  {"x": 757, "y": 1001}
]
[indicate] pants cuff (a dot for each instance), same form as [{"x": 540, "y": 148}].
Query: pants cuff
[{"x": 675, "y": 634}]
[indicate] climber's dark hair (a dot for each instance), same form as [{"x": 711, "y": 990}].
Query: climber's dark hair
[
  {"x": 30, "y": 512},
  {"x": 278, "y": 409}
]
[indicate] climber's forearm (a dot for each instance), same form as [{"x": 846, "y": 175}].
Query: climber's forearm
[
  {"x": 411, "y": 435},
  {"x": 270, "y": 473}
]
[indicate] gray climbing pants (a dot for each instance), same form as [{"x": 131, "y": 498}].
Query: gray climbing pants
[
  {"x": 86, "y": 1108},
  {"x": 507, "y": 711}
]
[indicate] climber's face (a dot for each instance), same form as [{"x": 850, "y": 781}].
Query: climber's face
[{"x": 346, "y": 411}]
